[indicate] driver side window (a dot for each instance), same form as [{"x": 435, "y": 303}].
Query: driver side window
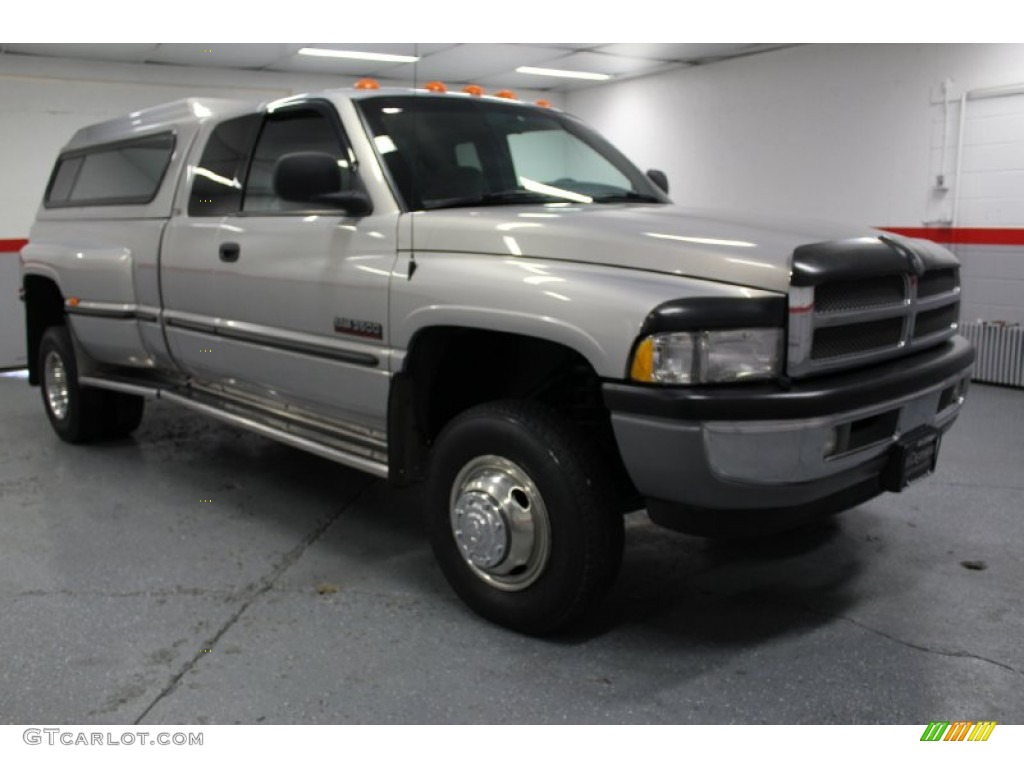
[{"x": 285, "y": 132}]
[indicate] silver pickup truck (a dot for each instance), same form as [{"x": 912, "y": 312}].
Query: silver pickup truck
[{"x": 486, "y": 297}]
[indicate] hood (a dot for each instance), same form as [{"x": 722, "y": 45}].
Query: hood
[{"x": 712, "y": 245}]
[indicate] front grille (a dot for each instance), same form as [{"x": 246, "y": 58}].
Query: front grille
[
  {"x": 886, "y": 291},
  {"x": 935, "y": 320},
  {"x": 856, "y": 302},
  {"x": 841, "y": 340},
  {"x": 934, "y": 283}
]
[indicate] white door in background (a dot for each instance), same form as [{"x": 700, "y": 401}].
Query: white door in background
[{"x": 991, "y": 196}]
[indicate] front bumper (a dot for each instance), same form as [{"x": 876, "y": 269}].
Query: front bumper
[{"x": 763, "y": 447}]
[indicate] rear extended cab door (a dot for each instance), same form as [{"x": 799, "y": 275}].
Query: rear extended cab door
[{"x": 273, "y": 300}]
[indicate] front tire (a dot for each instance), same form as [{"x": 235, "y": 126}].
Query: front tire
[
  {"x": 520, "y": 518},
  {"x": 80, "y": 414}
]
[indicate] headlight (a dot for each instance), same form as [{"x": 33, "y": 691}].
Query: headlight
[{"x": 706, "y": 357}]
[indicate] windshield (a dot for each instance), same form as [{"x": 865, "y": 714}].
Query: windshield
[{"x": 450, "y": 152}]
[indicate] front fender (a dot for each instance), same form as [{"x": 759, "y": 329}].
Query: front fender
[{"x": 596, "y": 310}]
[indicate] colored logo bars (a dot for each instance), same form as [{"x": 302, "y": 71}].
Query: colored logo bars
[{"x": 958, "y": 730}]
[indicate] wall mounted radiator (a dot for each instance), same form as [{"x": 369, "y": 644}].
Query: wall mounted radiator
[{"x": 1000, "y": 352}]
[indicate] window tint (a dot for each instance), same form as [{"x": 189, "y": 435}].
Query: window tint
[
  {"x": 120, "y": 174},
  {"x": 296, "y": 130},
  {"x": 218, "y": 179}
]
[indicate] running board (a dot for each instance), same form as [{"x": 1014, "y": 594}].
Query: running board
[
  {"x": 120, "y": 385},
  {"x": 365, "y": 455}
]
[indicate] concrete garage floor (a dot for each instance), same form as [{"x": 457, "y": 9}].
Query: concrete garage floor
[{"x": 199, "y": 574}]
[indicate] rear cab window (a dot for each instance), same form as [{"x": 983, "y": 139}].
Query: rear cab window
[{"x": 218, "y": 180}]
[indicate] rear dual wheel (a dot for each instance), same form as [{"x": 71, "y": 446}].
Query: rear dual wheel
[
  {"x": 81, "y": 414},
  {"x": 520, "y": 517}
]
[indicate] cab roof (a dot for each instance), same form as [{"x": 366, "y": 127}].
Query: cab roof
[{"x": 196, "y": 109}]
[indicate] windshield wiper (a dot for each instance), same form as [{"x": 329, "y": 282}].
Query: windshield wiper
[
  {"x": 626, "y": 197},
  {"x": 526, "y": 196},
  {"x": 505, "y": 197}
]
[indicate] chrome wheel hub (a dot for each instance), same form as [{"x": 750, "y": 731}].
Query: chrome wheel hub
[
  {"x": 55, "y": 379},
  {"x": 500, "y": 523},
  {"x": 480, "y": 529}
]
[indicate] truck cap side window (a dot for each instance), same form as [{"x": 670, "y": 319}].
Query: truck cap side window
[
  {"x": 124, "y": 173},
  {"x": 218, "y": 179}
]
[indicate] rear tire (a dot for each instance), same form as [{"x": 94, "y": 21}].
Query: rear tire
[
  {"x": 80, "y": 414},
  {"x": 520, "y": 516}
]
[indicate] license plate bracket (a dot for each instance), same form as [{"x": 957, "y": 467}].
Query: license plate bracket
[{"x": 912, "y": 458}]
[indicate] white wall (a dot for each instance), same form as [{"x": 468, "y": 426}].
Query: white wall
[
  {"x": 830, "y": 131},
  {"x": 845, "y": 133},
  {"x": 43, "y": 101}
]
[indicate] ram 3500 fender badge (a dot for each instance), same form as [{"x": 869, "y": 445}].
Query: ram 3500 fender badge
[{"x": 364, "y": 328}]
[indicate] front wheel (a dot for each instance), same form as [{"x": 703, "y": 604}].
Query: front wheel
[{"x": 519, "y": 517}]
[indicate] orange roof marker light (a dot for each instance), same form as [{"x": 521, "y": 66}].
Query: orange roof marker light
[
  {"x": 506, "y": 95},
  {"x": 543, "y": 103},
  {"x": 435, "y": 86},
  {"x": 473, "y": 90},
  {"x": 367, "y": 84}
]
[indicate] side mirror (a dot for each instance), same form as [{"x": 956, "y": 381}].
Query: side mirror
[
  {"x": 316, "y": 178},
  {"x": 659, "y": 178}
]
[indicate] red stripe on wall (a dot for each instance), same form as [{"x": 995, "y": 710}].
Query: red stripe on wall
[
  {"x": 962, "y": 235},
  {"x": 12, "y": 246},
  {"x": 944, "y": 235}
]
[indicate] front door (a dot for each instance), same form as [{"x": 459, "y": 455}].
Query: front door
[{"x": 298, "y": 292}]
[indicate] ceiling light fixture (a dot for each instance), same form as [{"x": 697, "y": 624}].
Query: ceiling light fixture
[
  {"x": 363, "y": 55},
  {"x": 563, "y": 73}
]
